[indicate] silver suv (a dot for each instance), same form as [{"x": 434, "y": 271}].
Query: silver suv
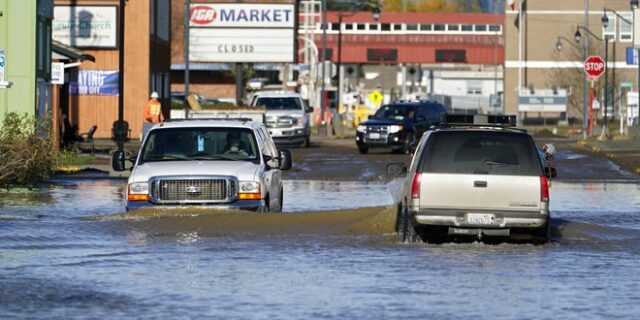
[
  {"x": 286, "y": 118},
  {"x": 475, "y": 177},
  {"x": 222, "y": 163}
]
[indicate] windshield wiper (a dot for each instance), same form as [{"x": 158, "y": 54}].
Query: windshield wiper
[
  {"x": 496, "y": 163},
  {"x": 165, "y": 157},
  {"x": 214, "y": 157}
]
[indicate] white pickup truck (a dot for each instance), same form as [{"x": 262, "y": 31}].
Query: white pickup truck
[
  {"x": 223, "y": 163},
  {"x": 287, "y": 116}
]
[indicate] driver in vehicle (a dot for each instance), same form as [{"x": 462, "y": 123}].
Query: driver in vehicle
[{"x": 235, "y": 145}]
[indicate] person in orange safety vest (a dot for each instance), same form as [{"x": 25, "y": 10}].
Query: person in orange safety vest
[{"x": 153, "y": 110}]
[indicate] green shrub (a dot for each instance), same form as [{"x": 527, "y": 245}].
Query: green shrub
[{"x": 25, "y": 151}]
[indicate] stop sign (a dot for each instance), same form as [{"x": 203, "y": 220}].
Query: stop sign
[{"x": 594, "y": 67}]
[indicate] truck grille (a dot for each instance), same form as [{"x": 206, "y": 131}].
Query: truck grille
[
  {"x": 280, "y": 122},
  {"x": 378, "y": 129},
  {"x": 193, "y": 190}
]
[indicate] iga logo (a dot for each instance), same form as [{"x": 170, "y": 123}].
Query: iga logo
[{"x": 203, "y": 14}]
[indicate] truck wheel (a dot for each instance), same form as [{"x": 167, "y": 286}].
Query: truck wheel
[
  {"x": 409, "y": 234},
  {"x": 363, "y": 150}
]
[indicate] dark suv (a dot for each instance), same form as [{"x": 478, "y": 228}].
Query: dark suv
[{"x": 398, "y": 125}]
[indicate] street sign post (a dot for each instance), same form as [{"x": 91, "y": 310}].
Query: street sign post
[{"x": 594, "y": 67}]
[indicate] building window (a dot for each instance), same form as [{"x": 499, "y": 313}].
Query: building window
[
  {"x": 334, "y": 26},
  {"x": 362, "y": 26},
  {"x": 397, "y": 27},
  {"x": 438, "y": 27},
  {"x": 374, "y": 27},
  {"x": 412, "y": 27},
  {"x": 481, "y": 27},
  {"x": 495, "y": 28},
  {"x": 626, "y": 29},
  {"x": 348, "y": 26},
  {"x": 385, "y": 27},
  {"x": 610, "y": 30},
  {"x": 467, "y": 27},
  {"x": 453, "y": 27},
  {"x": 474, "y": 88},
  {"x": 426, "y": 27}
]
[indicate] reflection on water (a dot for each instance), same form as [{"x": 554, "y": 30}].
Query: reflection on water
[{"x": 70, "y": 251}]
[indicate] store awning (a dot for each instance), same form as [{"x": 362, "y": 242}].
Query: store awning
[{"x": 61, "y": 51}]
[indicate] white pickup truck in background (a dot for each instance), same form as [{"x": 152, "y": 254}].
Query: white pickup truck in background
[{"x": 287, "y": 116}]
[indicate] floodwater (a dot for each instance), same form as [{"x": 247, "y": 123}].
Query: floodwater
[{"x": 69, "y": 251}]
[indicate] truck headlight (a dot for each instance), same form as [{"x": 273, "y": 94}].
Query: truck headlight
[
  {"x": 395, "y": 128},
  {"x": 249, "y": 190},
  {"x": 361, "y": 128},
  {"x": 138, "y": 191}
]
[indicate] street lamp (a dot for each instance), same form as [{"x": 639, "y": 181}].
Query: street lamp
[
  {"x": 634, "y": 7},
  {"x": 376, "y": 16},
  {"x": 564, "y": 39},
  {"x": 605, "y": 24}
]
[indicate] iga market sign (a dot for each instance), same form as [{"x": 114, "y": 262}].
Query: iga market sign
[
  {"x": 95, "y": 83},
  {"x": 85, "y": 26},
  {"x": 242, "y": 32}
]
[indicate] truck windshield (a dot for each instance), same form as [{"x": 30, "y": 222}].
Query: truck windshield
[
  {"x": 196, "y": 143},
  {"x": 279, "y": 103},
  {"x": 477, "y": 152},
  {"x": 395, "y": 112}
]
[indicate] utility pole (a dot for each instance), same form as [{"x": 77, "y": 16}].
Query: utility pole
[
  {"x": 120, "y": 139},
  {"x": 585, "y": 93},
  {"x": 187, "y": 18},
  {"x": 323, "y": 93}
]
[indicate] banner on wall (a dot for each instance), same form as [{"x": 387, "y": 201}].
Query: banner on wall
[{"x": 95, "y": 83}]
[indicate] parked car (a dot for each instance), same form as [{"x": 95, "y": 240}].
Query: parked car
[
  {"x": 398, "y": 125},
  {"x": 231, "y": 163},
  {"x": 475, "y": 177},
  {"x": 287, "y": 116}
]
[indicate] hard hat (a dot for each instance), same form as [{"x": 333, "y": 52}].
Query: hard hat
[{"x": 154, "y": 95}]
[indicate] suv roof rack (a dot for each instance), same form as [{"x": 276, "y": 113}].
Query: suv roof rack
[
  {"x": 217, "y": 119},
  {"x": 477, "y": 120}
]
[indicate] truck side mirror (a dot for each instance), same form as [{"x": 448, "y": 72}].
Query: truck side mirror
[
  {"x": 308, "y": 109},
  {"x": 118, "y": 161},
  {"x": 285, "y": 160}
]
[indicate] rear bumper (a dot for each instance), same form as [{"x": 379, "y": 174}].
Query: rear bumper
[
  {"x": 500, "y": 219},
  {"x": 251, "y": 205}
]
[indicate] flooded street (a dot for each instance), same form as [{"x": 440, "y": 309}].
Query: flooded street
[{"x": 68, "y": 251}]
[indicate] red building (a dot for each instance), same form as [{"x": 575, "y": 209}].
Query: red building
[{"x": 424, "y": 38}]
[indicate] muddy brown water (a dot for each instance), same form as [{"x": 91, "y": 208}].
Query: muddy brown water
[{"x": 67, "y": 250}]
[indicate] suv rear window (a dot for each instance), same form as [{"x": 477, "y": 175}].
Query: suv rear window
[{"x": 481, "y": 152}]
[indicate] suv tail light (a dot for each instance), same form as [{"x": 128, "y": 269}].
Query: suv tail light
[
  {"x": 544, "y": 189},
  {"x": 415, "y": 186}
]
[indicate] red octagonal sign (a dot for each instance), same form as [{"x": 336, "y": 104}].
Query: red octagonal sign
[{"x": 594, "y": 67}]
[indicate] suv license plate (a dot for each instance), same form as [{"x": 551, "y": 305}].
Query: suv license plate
[
  {"x": 374, "y": 136},
  {"x": 480, "y": 218}
]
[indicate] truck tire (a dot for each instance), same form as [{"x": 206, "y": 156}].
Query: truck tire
[{"x": 409, "y": 234}]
